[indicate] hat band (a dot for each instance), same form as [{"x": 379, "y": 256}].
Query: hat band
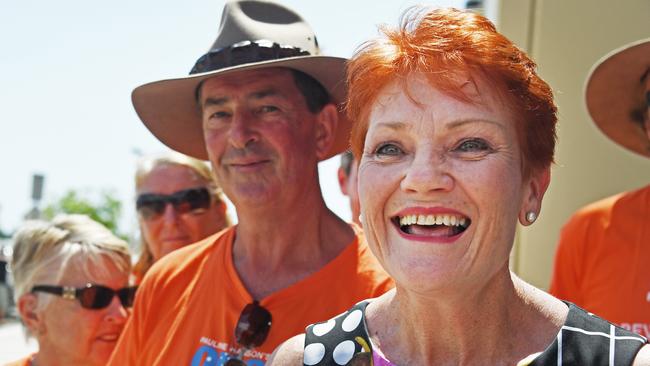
[{"x": 245, "y": 52}]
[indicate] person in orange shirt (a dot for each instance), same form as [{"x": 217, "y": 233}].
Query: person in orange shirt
[
  {"x": 263, "y": 107},
  {"x": 603, "y": 254},
  {"x": 178, "y": 204}
]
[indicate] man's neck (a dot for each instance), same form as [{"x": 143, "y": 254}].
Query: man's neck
[{"x": 275, "y": 249}]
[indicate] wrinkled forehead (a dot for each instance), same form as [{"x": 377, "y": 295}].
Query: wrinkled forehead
[
  {"x": 245, "y": 80},
  {"x": 466, "y": 87}
]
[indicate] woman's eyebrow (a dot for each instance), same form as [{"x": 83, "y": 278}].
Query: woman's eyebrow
[{"x": 462, "y": 122}]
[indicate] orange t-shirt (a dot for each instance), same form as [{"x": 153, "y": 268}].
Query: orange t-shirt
[
  {"x": 187, "y": 307},
  {"x": 602, "y": 261}
]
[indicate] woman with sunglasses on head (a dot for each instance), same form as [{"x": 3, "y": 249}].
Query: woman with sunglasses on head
[
  {"x": 71, "y": 278},
  {"x": 178, "y": 203},
  {"x": 455, "y": 137}
]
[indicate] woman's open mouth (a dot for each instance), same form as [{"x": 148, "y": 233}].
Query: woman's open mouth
[{"x": 433, "y": 225}]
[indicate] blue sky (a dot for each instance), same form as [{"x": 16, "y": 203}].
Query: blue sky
[{"x": 68, "y": 68}]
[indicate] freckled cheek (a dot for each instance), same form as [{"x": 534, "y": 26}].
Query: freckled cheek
[
  {"x": 495, "y": 189},
  {"x": 376, "y": 184}
]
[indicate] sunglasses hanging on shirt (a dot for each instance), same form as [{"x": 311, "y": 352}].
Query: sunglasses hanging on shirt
[{"x": 251, "y": 330}]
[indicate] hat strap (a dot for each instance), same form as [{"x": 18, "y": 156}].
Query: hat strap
[{"x": 244, "y": 52}]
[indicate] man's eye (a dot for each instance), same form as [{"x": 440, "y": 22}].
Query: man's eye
[
  {"x": 473, "y": 145},
  {"x": 268, "y": 109},
  {"x": 220, "y": 114},
  {"x": 388, "y": 149}
]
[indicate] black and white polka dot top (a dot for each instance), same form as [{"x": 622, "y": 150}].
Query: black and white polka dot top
[{"x": 584, "y": 339}]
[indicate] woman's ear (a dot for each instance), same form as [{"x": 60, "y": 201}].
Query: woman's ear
[
  {"x": 534, "y": 190},
  {"x": 27, "y": 308},
  {"x": 327, "y": 120}
]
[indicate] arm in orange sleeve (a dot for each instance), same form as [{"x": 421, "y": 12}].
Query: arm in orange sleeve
[{"x": 566, "y": 281}]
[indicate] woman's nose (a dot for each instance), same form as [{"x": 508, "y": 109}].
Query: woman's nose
[
  {"x": 428, "y": 172},
  {"x": 116, "y": 312}
]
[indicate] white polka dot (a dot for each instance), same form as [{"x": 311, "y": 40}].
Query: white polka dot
[
  {"x": 314, "y": 353},
  {"x": 324, "y": 328},
  {"x": 343, "y": 352},
  {"x": 352, "y": 321}
]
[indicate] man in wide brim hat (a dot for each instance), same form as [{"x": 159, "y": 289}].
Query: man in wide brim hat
[
  {"x": 603, "y": 255},
  {"x": 617, "y": 96},
  {"x": 264, "y": 108},
  {"x": 247, "y": 41}
]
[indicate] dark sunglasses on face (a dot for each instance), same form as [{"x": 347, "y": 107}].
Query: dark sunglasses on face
[
  {"x": 151, "y": 206},
  {"x": 91, "y": 296},
  {"x": 251, "y": 331}
]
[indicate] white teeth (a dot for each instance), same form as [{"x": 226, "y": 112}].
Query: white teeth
[{"x": 447, "y": 220}]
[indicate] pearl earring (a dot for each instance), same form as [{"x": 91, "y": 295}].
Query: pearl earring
[{"x": 531, "y": 216}]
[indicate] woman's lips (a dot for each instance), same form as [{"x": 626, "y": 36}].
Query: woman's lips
[
  {"x": 433, "y": 225},
  {"x": 110, "y": 337}
]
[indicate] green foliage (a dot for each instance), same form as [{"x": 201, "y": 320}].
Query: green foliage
[{"x": 106, "y": 210}]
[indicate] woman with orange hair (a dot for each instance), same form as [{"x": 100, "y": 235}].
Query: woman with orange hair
[{"x": 455, "y": 137}]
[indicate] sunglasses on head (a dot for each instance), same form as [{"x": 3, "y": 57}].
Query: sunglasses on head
[
  {"x": 151, "y": 205},
  {"x": 91, "y": 296},
  {"x": 251, "y": 331}
]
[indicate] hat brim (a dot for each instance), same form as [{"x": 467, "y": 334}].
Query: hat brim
[
  {"x": 614, "y": 91},
  {"x": 168, "y": 108}
]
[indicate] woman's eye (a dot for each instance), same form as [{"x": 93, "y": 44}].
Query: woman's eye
[
  {"x": 473, "y": 145},
  {"x": 388, "y": 149}
]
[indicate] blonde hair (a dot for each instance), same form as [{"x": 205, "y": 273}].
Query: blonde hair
[
  {"x": 44, "y": 251},
  {"x": 145, "y": 166}
]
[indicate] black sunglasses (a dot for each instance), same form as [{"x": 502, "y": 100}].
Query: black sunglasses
[
  {"x": 251, "y": 331},
  {"x": 151, "y": 206},
  {"x": 91, "y": 296}
]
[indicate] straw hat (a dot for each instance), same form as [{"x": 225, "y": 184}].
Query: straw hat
[
  {"x": 253, "y": 34},
  {"x": 616, "y": 95}
]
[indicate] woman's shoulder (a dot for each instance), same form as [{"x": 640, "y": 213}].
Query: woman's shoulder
[
  {"x": 335, "y": 341},
  {"x": 586, "y": 339}
]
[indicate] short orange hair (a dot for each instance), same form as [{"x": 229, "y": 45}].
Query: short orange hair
[{"x": 442, "y": 43}]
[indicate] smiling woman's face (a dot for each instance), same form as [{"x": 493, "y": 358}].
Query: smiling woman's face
[
  {"x": 441, "y": 185},
  {"x": 79, "y": 336}
]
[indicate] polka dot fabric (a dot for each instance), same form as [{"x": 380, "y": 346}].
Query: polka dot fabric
[{"x": 342, "y": 340}]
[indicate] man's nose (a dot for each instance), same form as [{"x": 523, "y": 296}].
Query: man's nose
[{"x": 242, "y": 130}]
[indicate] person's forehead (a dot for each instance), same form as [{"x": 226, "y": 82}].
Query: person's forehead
[
  {"x": 82, "y": 269},
  {"x": 169, "y": 178},
  {"x": 279, "y": 78}
]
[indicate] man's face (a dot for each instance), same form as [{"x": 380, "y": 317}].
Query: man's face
[{"x": 260, "y": 136}]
